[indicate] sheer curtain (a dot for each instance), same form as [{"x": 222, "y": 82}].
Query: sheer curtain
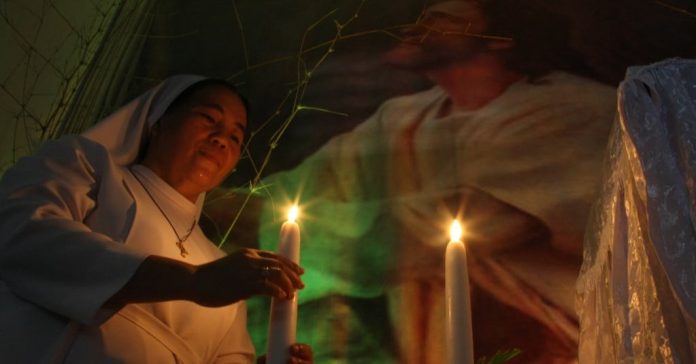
[{"x": 637, "y": 287}]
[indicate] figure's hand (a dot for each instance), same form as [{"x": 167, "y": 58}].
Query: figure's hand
[
  {"x": 245, "y": 273},
  {"x": 299, "y": 354}
]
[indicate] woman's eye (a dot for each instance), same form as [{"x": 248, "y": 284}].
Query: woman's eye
[
  {"x": 235, "y": 139},
  {"x": 208, "y": 118}
]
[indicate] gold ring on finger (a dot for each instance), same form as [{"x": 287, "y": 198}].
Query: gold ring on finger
[{"x": 265, "y": 272}]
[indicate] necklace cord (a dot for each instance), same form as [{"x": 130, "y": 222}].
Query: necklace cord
[{"x": 180, "y": 242}]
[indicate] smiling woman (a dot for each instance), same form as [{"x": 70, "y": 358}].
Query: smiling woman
[
  {"x": 101, "y": 256},
  {"x": 198, "y": 140}
]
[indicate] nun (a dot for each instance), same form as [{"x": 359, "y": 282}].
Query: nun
[{"x": 102, "y": 259}]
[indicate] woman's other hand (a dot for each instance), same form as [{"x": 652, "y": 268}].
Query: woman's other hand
[{"x": 299, "y": 354}]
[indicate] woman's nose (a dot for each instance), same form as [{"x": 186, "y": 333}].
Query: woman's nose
[{"x": 219, "y": 141}]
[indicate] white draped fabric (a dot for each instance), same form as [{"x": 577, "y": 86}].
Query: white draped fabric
[{"x": 637, "y": 288}]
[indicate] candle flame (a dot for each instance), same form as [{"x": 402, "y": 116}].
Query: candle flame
[
  {"x": 292, "y": 214},
  {"x": 455, "y": 231}
]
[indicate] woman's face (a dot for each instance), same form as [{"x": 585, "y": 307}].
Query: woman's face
[{"x": 196, "y": 144}]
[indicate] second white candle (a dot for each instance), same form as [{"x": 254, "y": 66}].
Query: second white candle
[{"x": 460, "y": 343}]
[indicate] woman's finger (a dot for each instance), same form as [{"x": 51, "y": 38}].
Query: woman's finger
[
  {"x": 294, "y": 279},
  {"x": 279, "y": 277},
  {"x": 270, "y": 268},
  {"x": 269, "y": 288},
  {"x": 292, "y": 265},
  {"x": 293, "y": 271}
]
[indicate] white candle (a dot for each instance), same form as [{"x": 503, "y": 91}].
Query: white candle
[
  {"x": 460, "y": 345},
  {"x": 283, "y": 321}
]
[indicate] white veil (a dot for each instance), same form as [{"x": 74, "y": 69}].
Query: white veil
[{"x": 125, "y": 131}]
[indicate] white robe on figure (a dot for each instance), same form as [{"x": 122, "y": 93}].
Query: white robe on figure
[
  {"x": 375, "y": 200},
  {"x": 75, "y": 225}
]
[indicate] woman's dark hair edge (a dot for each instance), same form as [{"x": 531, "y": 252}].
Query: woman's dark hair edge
[{"x": 184, "y": 95}]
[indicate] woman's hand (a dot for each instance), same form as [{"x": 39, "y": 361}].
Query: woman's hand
[
  {"x": 245, "y": 273},
  {"x": 299, "y": 354}
]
